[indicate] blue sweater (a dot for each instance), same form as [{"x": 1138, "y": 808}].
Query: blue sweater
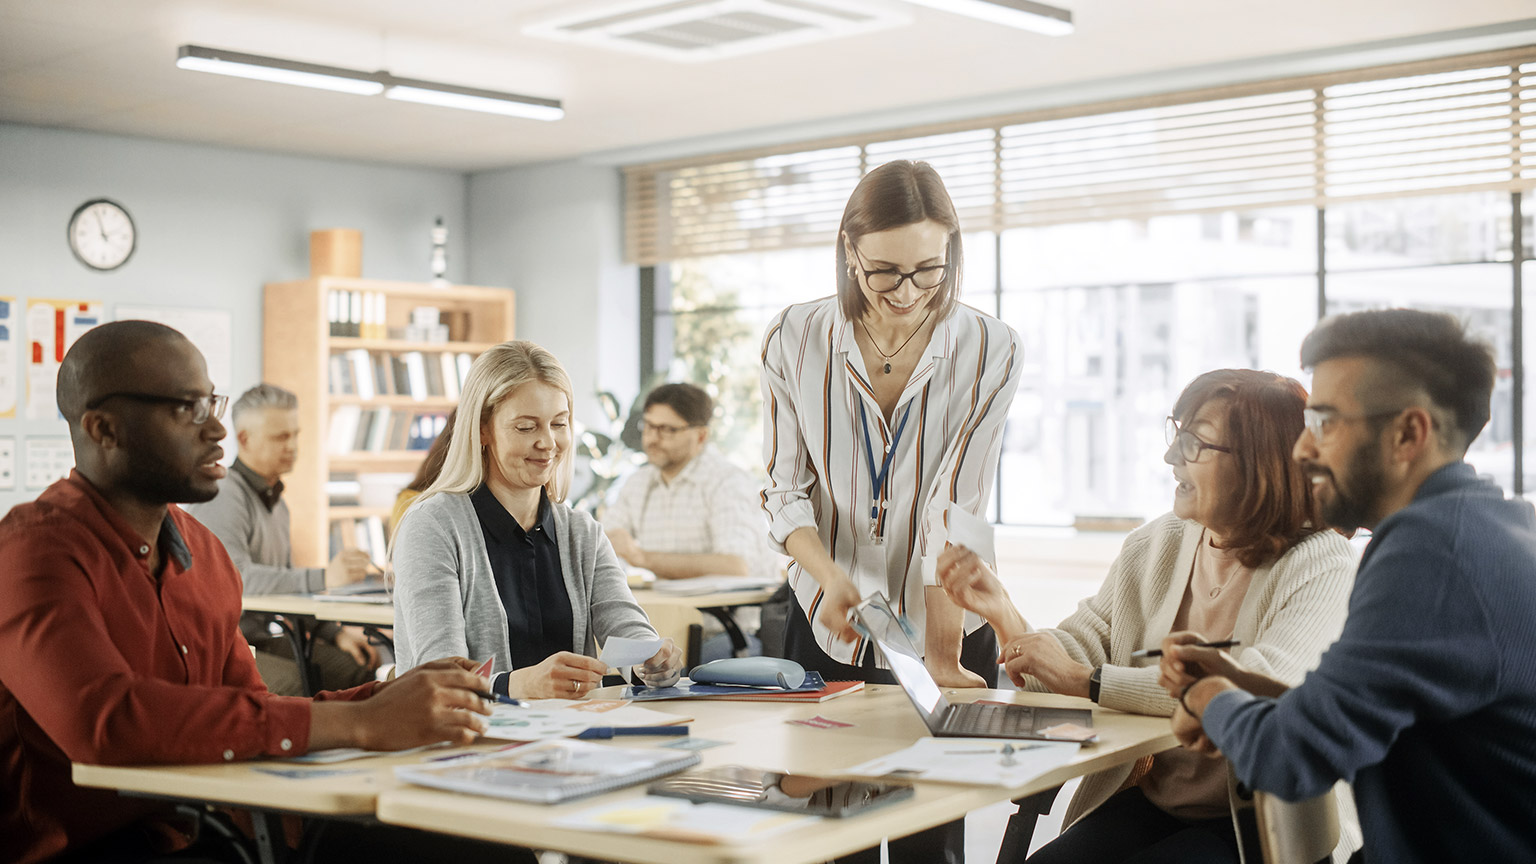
[{"x": 1427, "y": 703}]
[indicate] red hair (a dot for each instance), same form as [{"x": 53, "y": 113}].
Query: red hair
[{"x": 1270, "y": 504}]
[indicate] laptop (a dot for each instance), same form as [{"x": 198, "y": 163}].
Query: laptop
[{"x": 968, "y": 720}]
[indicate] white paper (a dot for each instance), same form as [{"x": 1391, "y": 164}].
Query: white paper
[
  {"x": 971, "y": 532},
  {"x": 621, "y": 652},
  {"x": 48, "y": 459},
  {"x": 539, "y": 719},
  {"x": 720, "y": 823},
  {"x": 52, "y": 327},
  {"x": 973, "y": 761}
]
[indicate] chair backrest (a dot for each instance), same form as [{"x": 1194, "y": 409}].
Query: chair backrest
[{"x": 1273, "y": 831}]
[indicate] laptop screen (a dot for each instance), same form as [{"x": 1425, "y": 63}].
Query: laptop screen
[{"x": 886, "y": 630}]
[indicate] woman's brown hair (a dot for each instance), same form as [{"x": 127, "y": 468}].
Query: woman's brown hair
[
  {"x": 1271, "y": 509},
  {"x": 895, "y": 194}
]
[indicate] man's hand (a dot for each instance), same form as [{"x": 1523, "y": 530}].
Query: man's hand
[
  {"x": 664, "y": 667},
  {"x": 1184, "y": 662},
  {"x": 562, "y": 675},
  {"x": 355, "y": 642},
  {"x": 626, "y": 547},
  {"x": 433, "y": 702},
  {"x": 1191, "y": 734},
  {"x": 349, "y": 566},
  {"x": 1041, "y": 655}
]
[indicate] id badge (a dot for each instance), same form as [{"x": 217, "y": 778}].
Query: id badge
[{"x": 874, "y": 533}]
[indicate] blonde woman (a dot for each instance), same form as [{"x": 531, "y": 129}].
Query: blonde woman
[{"x": 490, "y": 562}]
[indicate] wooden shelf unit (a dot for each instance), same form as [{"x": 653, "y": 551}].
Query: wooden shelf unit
[{"x": 296, "y": 351}]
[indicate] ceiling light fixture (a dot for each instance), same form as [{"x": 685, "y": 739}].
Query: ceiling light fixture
[
  {"x": 473, "y": 99},
  {"x": 220, "y": 62},
  {"x": 262, "y": 68},
  {"x": 1024, "y": 14}
]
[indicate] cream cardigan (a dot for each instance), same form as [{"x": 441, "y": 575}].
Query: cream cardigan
[{"x": 1294, "y": 609}]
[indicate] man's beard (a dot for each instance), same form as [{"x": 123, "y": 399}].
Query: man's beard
[{"x": 1351, "y": 509}]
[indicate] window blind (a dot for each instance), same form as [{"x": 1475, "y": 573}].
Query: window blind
[{"x": 1456, "y": 124}]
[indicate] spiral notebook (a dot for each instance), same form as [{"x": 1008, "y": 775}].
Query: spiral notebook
[{"x": 550, "y": 771}]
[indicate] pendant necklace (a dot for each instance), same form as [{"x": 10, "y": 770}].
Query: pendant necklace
[{"x": 888, "y": 357}]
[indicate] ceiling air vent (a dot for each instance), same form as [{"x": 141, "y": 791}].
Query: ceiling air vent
[{"x": 700, "y": 30}]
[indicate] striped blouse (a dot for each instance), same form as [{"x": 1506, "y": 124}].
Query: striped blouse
[{"x": 955, "y": 405}]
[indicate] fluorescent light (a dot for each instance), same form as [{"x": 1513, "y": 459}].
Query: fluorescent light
[
  {"x": 263, "y": 68},
  {"x": 1024, "y": 14},
  {"x": 278, "y": 71},
  {"x": 471, "y": 99}
]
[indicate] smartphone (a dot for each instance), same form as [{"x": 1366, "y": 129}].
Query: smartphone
[{"x": 773, "y": 790}]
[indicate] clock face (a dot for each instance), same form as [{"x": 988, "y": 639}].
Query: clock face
[{"x": 101, "y": 234}]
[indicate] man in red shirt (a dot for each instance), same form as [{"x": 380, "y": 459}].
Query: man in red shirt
[{"x": 119, "y": 616}]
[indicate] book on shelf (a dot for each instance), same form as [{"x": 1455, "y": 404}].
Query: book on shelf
[
  {"x": 343, "y": 430},
  {"x": 357, "y": 314},
  {"x": 343, "y": 489},
  {"x": 551, "y": 771},
  {"x": 434, "y": 372},
  {"x": 362, "y": 372},
  {"x": 449, "y": 374},
  {"x": 416, "y": 373},
  {"x": 355, "y": 429}
]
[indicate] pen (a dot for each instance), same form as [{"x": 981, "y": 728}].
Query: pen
[
  {"x": 597, "y": 732},
  {"x": 1158, "y": 652},
  {"x": 497, "y": 697}
]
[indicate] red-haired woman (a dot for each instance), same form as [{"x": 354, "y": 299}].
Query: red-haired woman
[{"x": 1242, "y": 556}]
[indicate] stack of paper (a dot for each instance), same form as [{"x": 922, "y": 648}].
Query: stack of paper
[{"x": 973, "y": 761}]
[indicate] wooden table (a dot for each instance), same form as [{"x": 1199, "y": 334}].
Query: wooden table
[
  {"x": 297, "y": 614},
  {"x": 884, "y": 721}
]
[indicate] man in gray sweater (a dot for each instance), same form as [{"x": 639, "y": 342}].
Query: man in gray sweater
[{"x": 251, "y": 520}]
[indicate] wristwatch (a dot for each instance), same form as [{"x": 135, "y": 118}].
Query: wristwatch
[{"x": 1095, "y": 678}]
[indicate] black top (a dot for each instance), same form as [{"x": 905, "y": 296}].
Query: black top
[{"x": 529, "y": 579}]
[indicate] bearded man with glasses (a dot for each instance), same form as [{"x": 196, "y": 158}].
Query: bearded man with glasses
[{"x": 1427, "y": 702}]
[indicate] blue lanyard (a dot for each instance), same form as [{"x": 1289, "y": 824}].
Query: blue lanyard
[{"x": 877, "y": 481}]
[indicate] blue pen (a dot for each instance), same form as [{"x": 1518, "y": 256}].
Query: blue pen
[
  {"x": 490, "y": 696},
  {"x": 598, "y": 732}
]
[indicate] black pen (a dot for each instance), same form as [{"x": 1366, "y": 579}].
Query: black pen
[
  {"x": 497, "y": 697},
  {"x": 1158, "y": 652}
]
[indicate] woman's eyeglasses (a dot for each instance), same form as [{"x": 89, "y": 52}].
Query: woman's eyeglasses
[
  {"x": 889, "y": 279},
  {"x": 1189, "y": 444}
]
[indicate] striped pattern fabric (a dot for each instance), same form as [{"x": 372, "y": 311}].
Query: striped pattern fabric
[{"x": 813, "y": 380}]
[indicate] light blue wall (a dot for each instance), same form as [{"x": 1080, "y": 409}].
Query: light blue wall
[
  {"x": 553, "y": 232},
  {"x": 214, "y": 225}
]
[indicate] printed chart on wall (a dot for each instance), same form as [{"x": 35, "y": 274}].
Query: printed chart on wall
[
  {"x": 10, "y": 374},
  {"x": 208, "y": 329},
  {"x": 52, "y": 326}
]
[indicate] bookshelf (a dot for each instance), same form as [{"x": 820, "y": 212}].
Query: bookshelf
[{"x": 324, "y": 369}]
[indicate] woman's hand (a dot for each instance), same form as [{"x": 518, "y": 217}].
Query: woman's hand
[
  {"x": 355, "y": 642},
  {"x": 1040, "y": 655},
  {"x": 562, "y": 675},
  {"x": 970, "y": 584},
  {"x": 838, "y": 598},
  {"x": 1184, "y": 662},
  {"x": 664, "y": 667}
]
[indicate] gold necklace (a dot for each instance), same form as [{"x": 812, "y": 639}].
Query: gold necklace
[{"x": 892, "y": 355}]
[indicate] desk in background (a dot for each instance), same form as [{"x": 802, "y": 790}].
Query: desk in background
[
  {"x": 297, "y": 614},
  {"x": 678, "y": 616}
]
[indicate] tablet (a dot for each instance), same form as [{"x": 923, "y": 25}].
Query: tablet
[{"x": 772, "y": 790}]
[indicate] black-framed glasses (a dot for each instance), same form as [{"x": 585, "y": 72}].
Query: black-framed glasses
[
  {"x": 194, "y": 410},
  {"x": 888, "y": 280},
  {"x": 662, "y": 429},
  {"x": 1319, "y": 420},
  {"x": 1190, "y": 445}
]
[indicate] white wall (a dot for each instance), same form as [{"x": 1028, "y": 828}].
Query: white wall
[
  {"x": 553, "y": 233},
  {"x": 214, "y": 224}
]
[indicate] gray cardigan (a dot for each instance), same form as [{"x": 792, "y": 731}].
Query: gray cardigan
[{"x": 446, "y": 602}]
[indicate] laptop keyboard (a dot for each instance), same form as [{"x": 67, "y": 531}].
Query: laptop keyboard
[{"x": 991, "y": 721}]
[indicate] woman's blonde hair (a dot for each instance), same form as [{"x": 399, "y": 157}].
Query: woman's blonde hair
[{"x": 492, "y": 378}]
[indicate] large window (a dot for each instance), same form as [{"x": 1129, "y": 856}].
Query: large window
[{"x": 1135, "y": 248}]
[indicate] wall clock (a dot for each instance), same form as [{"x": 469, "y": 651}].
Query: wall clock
[{"x": 102, "y": 235}]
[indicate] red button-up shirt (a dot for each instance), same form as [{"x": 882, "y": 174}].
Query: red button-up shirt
[{"x": 102, "y": 662}]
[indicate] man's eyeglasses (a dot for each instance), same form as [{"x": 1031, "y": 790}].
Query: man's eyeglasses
[
  {"x": 1189, "y": 444},
  {"x": 1319, "y": 420},
  {"x": 888, "y": 280},
  {"x": 195, "y": 410},
  {"x": 662, "y": 429}
]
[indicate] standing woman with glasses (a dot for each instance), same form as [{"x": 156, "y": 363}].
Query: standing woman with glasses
[
  {"x": 884, "y": 404},
  {"x": 1243, "y": 556}
]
